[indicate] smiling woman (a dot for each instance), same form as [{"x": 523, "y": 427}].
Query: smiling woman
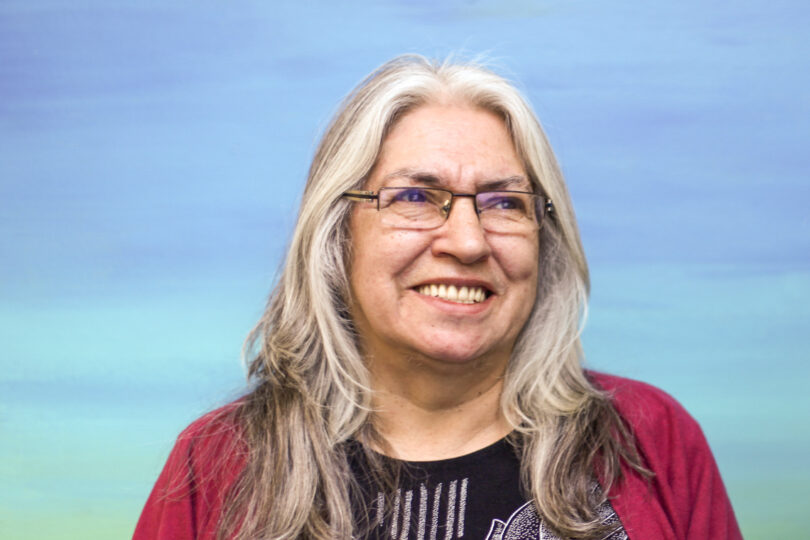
[{"x": 417, "y": 373}]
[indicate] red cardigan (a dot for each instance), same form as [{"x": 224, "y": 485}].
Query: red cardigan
[{"x": 685, "y": 499}]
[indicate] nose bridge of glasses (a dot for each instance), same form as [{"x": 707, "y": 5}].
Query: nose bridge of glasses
[{"x": 451, "y": 200}]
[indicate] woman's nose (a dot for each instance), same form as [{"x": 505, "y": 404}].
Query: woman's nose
[{"x": 462, "y": 236}]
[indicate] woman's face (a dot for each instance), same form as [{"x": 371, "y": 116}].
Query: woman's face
[{"x": 465, "y": 150}]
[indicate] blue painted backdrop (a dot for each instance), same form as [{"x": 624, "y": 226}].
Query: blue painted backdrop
[{"x": 151, "y": 159}]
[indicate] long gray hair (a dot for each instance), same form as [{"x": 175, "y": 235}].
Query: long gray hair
[{"x": 311, "y": 392}]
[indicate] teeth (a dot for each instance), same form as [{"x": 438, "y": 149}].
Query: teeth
[{"x": 461, "y": 295}]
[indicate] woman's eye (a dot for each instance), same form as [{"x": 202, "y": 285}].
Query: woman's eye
[
  {"x": 504, "y": 203},
  {"x": 507, "y": 204},
  {"x": 411, "y": 195}
]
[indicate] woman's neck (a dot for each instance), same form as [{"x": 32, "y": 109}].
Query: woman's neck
[{"x": 426, "y": 415}]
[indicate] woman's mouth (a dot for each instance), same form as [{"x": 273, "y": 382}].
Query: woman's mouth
[{"x": 451, "y": 293}]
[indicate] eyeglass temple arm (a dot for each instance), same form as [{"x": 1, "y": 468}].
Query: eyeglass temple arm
[{"x": 360, "y": 195}]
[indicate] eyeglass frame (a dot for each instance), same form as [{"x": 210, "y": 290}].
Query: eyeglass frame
[{"x": 368, "y": 196}]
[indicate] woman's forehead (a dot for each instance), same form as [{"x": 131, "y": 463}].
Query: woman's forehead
[{"x": 449, "y": 146}]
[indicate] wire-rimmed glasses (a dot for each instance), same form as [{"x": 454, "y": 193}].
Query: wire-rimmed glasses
[{"x": 428, "y": 207}]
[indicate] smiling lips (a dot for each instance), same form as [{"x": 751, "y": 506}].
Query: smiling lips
[{"x": 461, "y": 295}]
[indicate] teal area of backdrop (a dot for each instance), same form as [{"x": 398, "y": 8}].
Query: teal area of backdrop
[{"x": 151, "y": 159}]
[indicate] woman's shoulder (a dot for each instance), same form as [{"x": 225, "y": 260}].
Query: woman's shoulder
[
  {"x": 670, "y": 441},
  {"x": 215, "y": 427},
  {"x": 204, "y": 463},
  {"x": 685, "y": 496},
  {"x": 212, "y": 447},
  {"x": 642, "y": 405},
  {"x": 662, "y": 427}
]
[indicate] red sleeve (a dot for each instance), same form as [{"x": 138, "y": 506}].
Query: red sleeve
[
  {"x": 686, "y": 499},
  {"x": 186, "y": 502}
]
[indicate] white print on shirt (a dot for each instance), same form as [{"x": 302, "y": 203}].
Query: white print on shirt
[
  {"x": 454, "y": 497},
  {"x": 443, "y": 509},
  {"x": 525, "y": 524}
]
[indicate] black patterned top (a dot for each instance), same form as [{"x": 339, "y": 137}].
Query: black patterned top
[{"x": 477, "y": 496}]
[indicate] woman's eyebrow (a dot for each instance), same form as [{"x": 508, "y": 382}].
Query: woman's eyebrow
[
  {"x": 510, "y": 182},
  {"x": 416, "y": 175}
]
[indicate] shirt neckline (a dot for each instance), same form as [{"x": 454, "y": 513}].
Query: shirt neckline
[{"x": 501, "y": 445}]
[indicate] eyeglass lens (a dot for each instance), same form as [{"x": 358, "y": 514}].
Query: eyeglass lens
[{"x": 428, "y": 208}]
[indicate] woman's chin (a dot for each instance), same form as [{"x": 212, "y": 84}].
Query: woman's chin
[{"x": 454, "y": 356}]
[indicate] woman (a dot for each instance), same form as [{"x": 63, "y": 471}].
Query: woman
[{"x": 417, "y": 372}]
